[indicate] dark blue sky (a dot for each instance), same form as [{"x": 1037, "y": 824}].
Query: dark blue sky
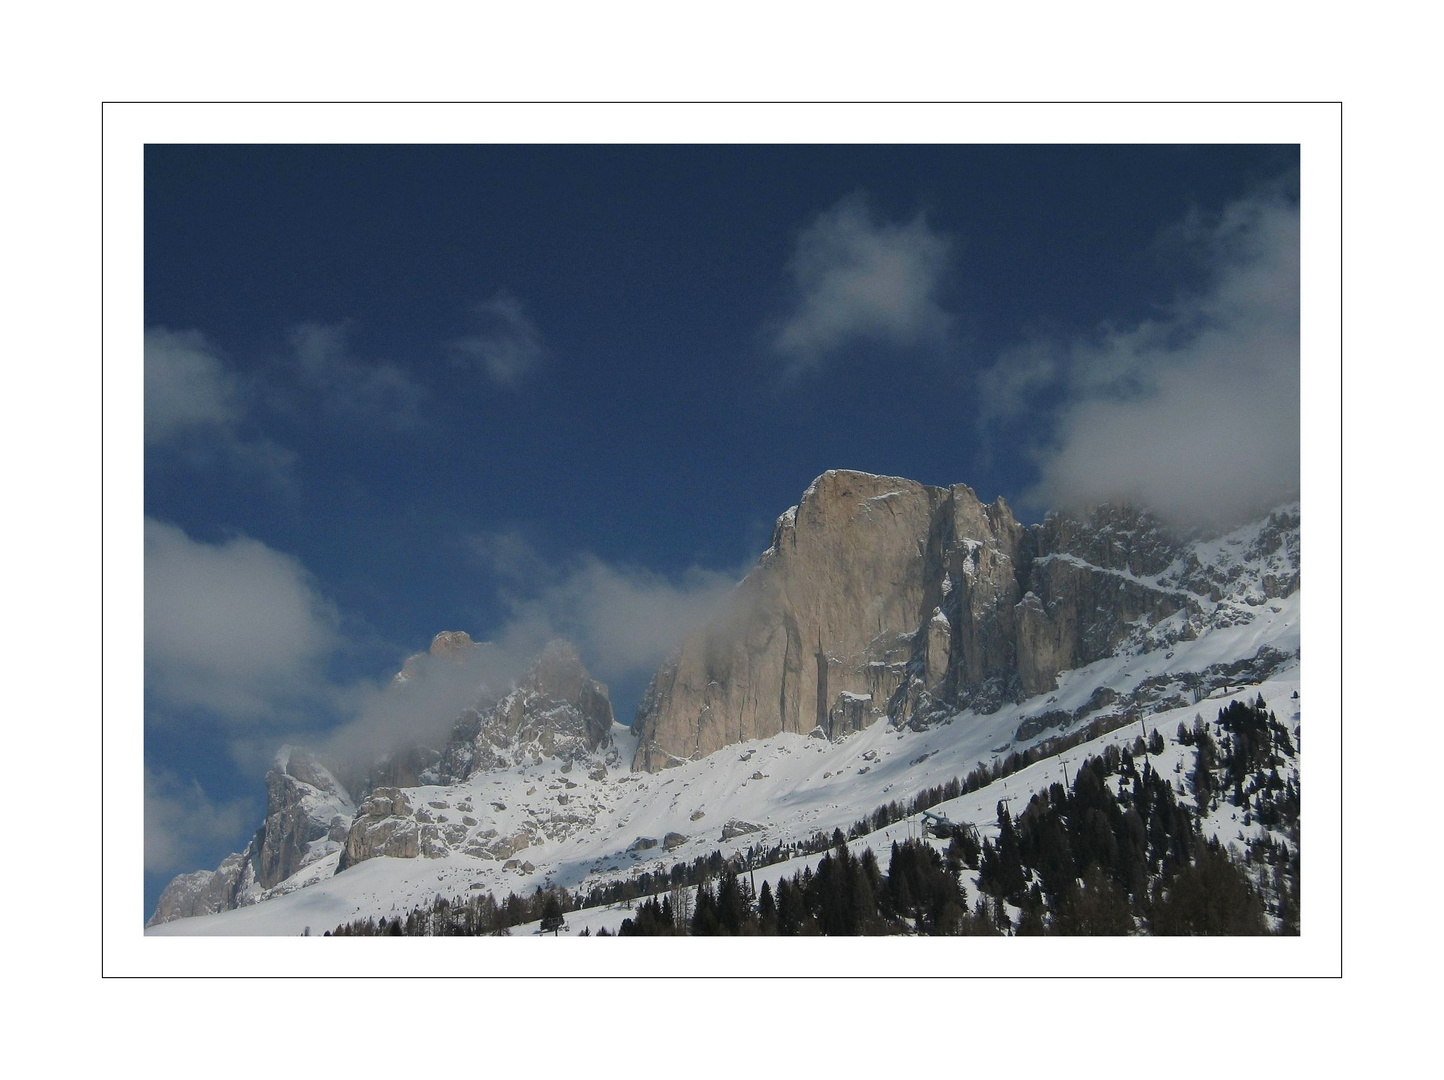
[{"x": 432, "y": 388}]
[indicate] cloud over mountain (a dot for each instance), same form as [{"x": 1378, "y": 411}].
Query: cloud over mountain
[
  {"x": 1194, "y": 411},
  {"x": 623, "y": 619}
]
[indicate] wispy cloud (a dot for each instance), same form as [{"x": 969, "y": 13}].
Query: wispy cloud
[
  {"x": 348, "y": 386},
  {"x": 857, "y": 277},
  {"x": 1195, "y": 412},
  {"x": 623, "y": 619},
  {"x": 383, "y": 715},
  {"x": 183, "y": 825},
  {"x": 506, "y": 344},
  {"x": 195, "y": 405},
  {"x": 235, "y": 629}
]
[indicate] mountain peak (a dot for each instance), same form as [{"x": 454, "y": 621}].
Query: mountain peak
[{"x": 451, "y": 643}]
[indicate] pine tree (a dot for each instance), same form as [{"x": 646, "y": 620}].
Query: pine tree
[{"x": 767, "y": 910}]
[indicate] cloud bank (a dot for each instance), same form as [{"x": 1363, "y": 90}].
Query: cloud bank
[
  {"x": 506, "y": 345},
  {"x": 238, "y": 633},
  {"x": 1195, "y": 412},
  {"x": 235, "y": 629},
  {"x": 858, "y": 278},
  {"x": 385, "y": 716}
]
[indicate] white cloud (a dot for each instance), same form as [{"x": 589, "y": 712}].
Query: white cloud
[
  {"x": 624, "y": 620},
  {"x": 187, "y": 387},
  {"x": 1194, "y": 413},
  {"x": 350, "y": 386},
  {"x": 236, "y": 629},
  {"x": 183, "y": 825},
  {"x": 507, "y": 344},
  {"x": 859, "y": 278}
]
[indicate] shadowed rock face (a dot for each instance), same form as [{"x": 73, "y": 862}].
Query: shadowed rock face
[
  {"x": 308, "y": 814},
  {"x": 884, "y": 597}
]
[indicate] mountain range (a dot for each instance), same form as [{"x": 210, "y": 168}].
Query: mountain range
[{"x": 892, "y": 637}]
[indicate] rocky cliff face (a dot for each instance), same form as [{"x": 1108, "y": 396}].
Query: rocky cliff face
[
  {"x": 882, "y": 597},
  {"x": 308, "y": 814},
  {"x": 308, "y": 817},
  {"x": 207, "y": 891}
]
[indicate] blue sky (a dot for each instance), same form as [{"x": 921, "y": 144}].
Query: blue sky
[{"x": 531, "y": 390}]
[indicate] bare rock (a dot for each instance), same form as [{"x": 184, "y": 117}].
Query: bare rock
[
  {"x": 881, "y": 597},
  {"x": 384, "y": 825},
  {"x": 737, "y": 827},
  {"x": 303, "y": 799}
]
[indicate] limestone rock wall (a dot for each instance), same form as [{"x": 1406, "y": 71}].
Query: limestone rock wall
[
  {"x": 878, "y": 596},
  {"x": 830, "y": 610},
  {"x": 881, "y": 596}
]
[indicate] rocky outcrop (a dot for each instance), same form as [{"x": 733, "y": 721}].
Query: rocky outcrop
[
  {"x": 455, "y": 645},
  {"x": 557, "y": 710},
  {"x": 384, "y": 825},
  {"x": 882, "y": 597},
  {"x": 737, "y": 827}
]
